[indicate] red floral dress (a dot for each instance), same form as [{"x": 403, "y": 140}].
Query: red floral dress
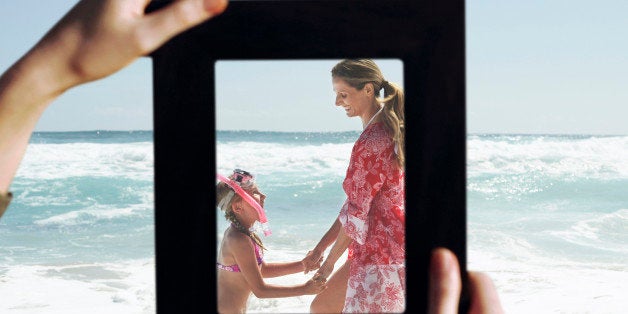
[{"x": 374, "y": 217}]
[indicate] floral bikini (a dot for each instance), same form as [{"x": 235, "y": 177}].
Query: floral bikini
[{"x": 235, "y": 268}]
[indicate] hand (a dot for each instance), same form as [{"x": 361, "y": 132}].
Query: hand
[
  {"x": 94, "y": 39},
  {"x": 445, "y": 286},
  {"x": 312, "y": 261},
  {"x": 99, "y": 37},
  {"x": 324, "y": 271},
  {"x": 315, "y": 286}
]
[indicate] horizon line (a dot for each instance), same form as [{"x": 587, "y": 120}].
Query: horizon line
[{"x": 340, "y": 131}]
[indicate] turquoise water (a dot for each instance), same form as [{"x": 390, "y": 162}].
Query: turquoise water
[{"x": 547, "y": 217}]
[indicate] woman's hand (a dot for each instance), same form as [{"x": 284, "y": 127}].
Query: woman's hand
[
  {"x": 324, "y": 271},
  {"x": 312, "y": 261}
]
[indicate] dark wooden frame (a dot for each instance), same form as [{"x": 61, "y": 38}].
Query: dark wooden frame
[{"x": 428, "y": 36}]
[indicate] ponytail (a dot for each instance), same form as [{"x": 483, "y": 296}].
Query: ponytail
[
  {"x": 393, "y": 118},
  {"x": 359, "y": 72}
]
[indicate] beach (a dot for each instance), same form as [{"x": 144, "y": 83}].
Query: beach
[
  {"x": 548, "y": 220},
  {"x": 547, "y": 217},
  {"x": 79, "y": 234}
]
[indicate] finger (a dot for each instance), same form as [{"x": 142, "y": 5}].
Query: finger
[
  {"x": 317, "y": 276},
  {"x": 445, "y": 283},
  {"x": 161, "y": 25},
  {"x": 484, "y": 298}
]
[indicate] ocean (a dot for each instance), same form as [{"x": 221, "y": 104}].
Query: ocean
[{"x": 547, "y": 217}]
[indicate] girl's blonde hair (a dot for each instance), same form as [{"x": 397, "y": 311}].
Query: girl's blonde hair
[{"x": 359, "y": 72}]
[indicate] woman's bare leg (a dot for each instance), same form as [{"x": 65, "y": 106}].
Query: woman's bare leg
[{"x": 332, "y": 299}]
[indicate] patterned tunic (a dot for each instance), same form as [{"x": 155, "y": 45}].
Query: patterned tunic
[{"x": 374, "y": 217}]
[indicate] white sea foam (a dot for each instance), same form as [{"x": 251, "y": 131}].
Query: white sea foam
[
  {"x": 591, "y": 157},
  {"x": 57, "y": 161},
  {"x": 604, "y": 231},
  {"x": 91, "y": 215},
  {"x": 537, "y": 278},
  {"x": 535, "y": 284},
  {"x": 315, "y": 160},
  {"x": 125, "y": 287}
]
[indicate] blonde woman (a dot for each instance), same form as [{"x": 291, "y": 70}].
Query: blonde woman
[{"x": 371, "y": 223}]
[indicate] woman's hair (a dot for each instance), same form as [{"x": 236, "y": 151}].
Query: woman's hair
[
  {"x": 359, "y": 72},
  {"x": 223, "y": 191}
]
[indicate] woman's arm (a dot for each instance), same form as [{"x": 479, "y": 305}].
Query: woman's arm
[
  {"x": 94, "y": 39},
  {"x": 314, "y": 257},
  {"x": 342, "y": 243},
  {"x": 244, "y": 255}
]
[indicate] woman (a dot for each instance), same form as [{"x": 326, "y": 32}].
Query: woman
[
  {"x": 372, "y": 220},
  {"x": 240, "y": 266}
]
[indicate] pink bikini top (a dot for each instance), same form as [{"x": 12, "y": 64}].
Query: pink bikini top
[{"x": 235, "y": 268}]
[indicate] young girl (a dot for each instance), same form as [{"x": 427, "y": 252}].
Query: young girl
[{"x": 240, "y": 266}]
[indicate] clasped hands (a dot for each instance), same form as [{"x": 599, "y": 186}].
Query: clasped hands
[
  {"x": 313, "y": 261},
  {"x": 444, "y": 287}
]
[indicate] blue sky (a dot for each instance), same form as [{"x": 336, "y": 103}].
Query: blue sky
[
  {"x": 532, "y": 67},
  {"x": 285, "y": 95}
]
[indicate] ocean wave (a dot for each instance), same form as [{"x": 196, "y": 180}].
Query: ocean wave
[
  {"x": 124, "y": 287},
  {"x": 314, "y": 161},
  {"x": 604, "y": 231},
  {"x": 83, "y": 192},
  {"x": 57, "y": 161},
  {"x": 555, "y": 156},
  {"x": 91, "y": 216}
]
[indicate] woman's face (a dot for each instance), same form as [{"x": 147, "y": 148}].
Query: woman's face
[{"x": 354, "y": 101}]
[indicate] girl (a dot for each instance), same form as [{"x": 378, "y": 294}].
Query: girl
[{"x": 240, "y": 266}]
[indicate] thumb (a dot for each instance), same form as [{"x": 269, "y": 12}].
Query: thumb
[
  {"x": 165, "y": 23},
  {"x": 445, "y": 282}
]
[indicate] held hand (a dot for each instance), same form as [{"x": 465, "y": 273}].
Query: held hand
[
  {"x": 445, "y": 286},
  {"x": 312, "y": 261},
  {"x": 99, "y": 37},
  {"x": 324, "y": 271},
  {"x": 315, "y": 286}
]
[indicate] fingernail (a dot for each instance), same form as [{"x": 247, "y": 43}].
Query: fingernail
[{"x": 215, "y": 6}]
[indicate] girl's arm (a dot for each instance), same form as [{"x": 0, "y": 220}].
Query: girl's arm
[
  {"x": 270, "y": 270},
  {"x": 244, "y": 255}
]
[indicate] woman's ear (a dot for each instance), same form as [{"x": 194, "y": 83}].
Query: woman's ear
[{"x": 368, "y": 88}]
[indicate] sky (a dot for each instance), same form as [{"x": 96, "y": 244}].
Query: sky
[
  {"x": 533, "y": 67},
  {"x": 285, "y": 95}
]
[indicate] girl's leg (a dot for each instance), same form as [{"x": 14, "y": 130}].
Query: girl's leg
[{"x": 332, "y": 299}]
